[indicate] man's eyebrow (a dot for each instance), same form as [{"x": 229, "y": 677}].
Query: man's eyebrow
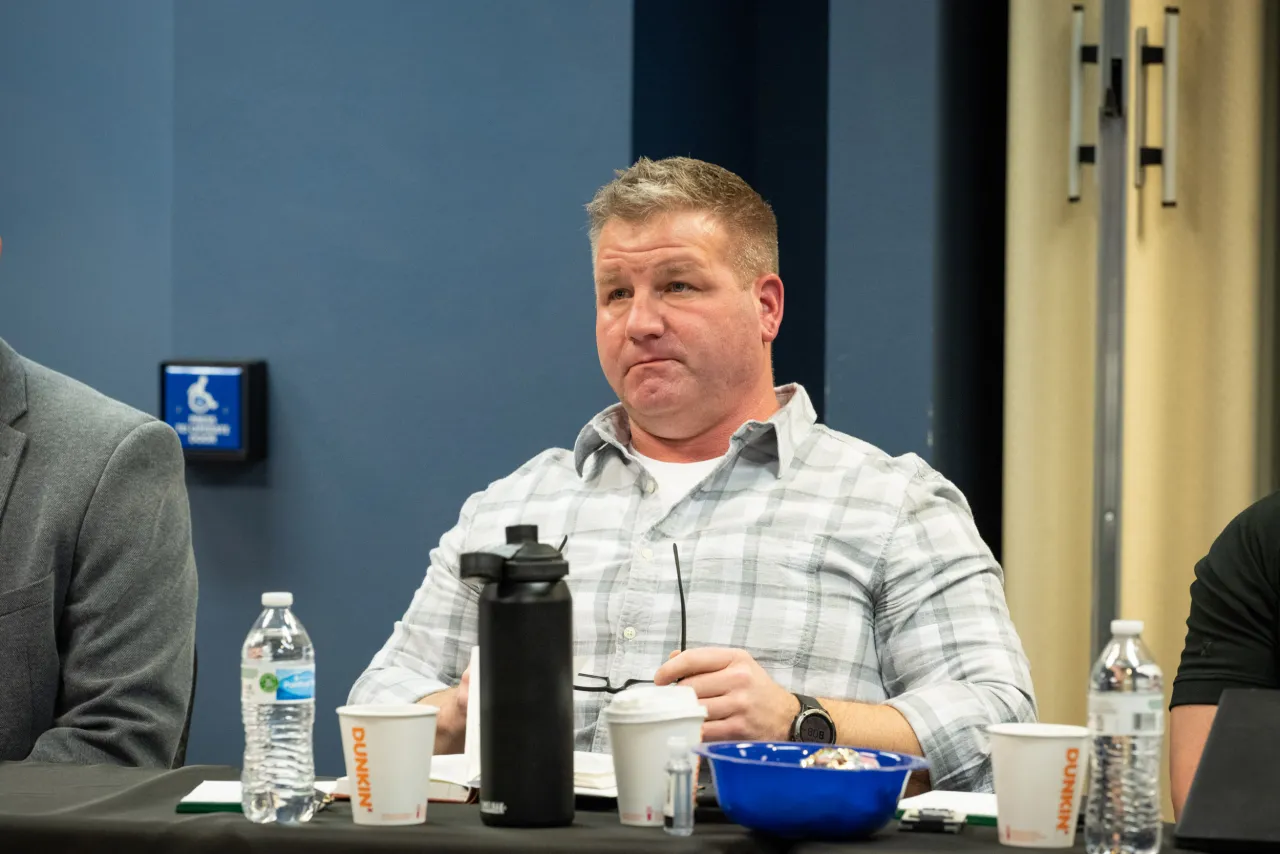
[
  {"x": 676, "y": 268},
  {"x": 613, "y": 276},
  {"x": 608, "y": 278}
]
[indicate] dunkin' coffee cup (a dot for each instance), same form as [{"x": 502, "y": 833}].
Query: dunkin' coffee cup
[
  {"x": 388, "y": 754},
  {"x": 640, "y": 721},
  {"x": 1040, "y": 771}
]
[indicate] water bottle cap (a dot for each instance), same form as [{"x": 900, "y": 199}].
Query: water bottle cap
[
  {"x": 277, "y": 600},
  {"x": 1126, "y": 628},
  {"x": 678, "y": 747}
]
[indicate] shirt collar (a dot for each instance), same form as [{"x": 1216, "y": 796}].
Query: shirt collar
[{"x": 777, "y": 438}]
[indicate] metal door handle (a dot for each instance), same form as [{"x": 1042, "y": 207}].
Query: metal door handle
[
  {"x": 1165, "y": 156},
  {"x": 1081, "y": 55}
]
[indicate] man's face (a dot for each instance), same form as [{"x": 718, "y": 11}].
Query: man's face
[{"x": 680, "y": 339}]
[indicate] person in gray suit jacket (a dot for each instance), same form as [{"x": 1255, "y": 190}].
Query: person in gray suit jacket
[{"x": 97, "y": 576}]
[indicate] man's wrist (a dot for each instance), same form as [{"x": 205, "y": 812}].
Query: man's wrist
[{"x": 793, "y": 711}]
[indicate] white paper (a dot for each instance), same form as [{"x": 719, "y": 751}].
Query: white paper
[
  {"x": 452, "y": 768},
  {"x": 593, "y": 771},
  {"x": 593, "y": 775},
  {"x": 228, "y": 791},
  {"x": 969, "y": 803}
]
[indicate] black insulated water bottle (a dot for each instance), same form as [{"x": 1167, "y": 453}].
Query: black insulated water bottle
[{"x": 526, "y": 682}]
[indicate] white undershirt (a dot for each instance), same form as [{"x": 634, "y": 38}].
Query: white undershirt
[{"x": 675, "y": 480}]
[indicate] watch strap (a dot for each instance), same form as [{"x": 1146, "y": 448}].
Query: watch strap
[{"x": 807, "y": 702}]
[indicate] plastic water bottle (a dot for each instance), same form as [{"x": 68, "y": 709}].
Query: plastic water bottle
[
  {"x": 1126, "y": 714},
  {"x": 277, "y": 703}
]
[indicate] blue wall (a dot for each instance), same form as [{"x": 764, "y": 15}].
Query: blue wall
[
  {"x": 86, "y": 171},
  {"x": 384, "y": 201},
  {"x": 882, "y": 197}
]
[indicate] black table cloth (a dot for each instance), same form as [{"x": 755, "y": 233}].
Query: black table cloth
[{"x": 51, "y": 809}]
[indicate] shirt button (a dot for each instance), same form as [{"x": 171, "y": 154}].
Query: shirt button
[
  {"x": 629, "y": 633},
  {"x": 650, "y": 487},
  {"x": 647, "y": 554}
]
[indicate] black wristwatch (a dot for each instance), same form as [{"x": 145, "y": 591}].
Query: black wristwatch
[{"x": 813, "y": 724}]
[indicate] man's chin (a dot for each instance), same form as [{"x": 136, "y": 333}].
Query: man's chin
[{"x": 650, "y": 402}]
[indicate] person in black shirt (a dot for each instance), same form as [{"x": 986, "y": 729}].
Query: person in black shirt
[{"x": 1233, "y": 633}]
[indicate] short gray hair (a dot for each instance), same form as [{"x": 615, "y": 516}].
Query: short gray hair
[{"x": 652, "y": 187}]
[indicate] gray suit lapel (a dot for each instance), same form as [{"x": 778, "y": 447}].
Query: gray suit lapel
[
  {"x": 13, "y": 403},
  {"x": 11, "y": 443}
]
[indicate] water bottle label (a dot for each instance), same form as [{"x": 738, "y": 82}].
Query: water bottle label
[
  {"x": 296, "y": 684},
  {"x": 264, "y": 684},
  {"x": 1123, "y": 714}
]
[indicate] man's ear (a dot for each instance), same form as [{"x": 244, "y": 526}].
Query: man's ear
[{"x": 769, "y": 297}]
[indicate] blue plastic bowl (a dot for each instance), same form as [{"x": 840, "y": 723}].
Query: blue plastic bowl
[{"x": 761, "y": 785}]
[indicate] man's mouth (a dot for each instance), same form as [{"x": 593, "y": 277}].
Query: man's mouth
[{"x": 650, "y": 361}]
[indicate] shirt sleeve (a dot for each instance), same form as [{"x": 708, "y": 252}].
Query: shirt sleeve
[
  {"x": 950, "y": 657},
  {"x": 1231, "y": 630},
  {"x": 431, "y": 645}
]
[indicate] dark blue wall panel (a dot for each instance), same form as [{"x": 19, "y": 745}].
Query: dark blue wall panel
[
  {"x": 743, "y": 84},
  {"x": 882, "y": 221}
]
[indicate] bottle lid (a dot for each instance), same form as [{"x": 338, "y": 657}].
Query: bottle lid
[
  {"x": 678, "y": 747},
  {"x": 521, "y": 534},
  {"x": 277, "y": 600},
  {"x": 521, "y": 559},
  {"x": 1126, "y": 628}
]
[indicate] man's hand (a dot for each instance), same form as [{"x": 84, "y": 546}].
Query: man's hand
[
  {"x": 743, "y": 702},
  {"x": 451, "y": 723}
]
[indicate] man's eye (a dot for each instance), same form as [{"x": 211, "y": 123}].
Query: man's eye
[
  {"x": 679, "y": 287},
  {"x": 617, "y": 293}
]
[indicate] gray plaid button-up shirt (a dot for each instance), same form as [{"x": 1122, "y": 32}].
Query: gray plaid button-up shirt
[{"x": 846, "y": 573}]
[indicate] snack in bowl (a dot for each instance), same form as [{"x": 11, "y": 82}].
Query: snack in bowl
[
  {"x": 840, "y": 759},
  {"x": 766, "y": 786}
]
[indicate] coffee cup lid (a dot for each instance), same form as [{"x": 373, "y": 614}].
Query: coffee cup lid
[{"x": 652, "y": 702}]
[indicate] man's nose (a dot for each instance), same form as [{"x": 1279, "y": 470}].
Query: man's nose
[{"x": 644, "y": 320}]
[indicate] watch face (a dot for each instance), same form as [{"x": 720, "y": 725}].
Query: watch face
[{"x": 816, "y": 728}]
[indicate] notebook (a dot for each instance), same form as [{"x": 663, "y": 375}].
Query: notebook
[{"x": 979, "y": 807}]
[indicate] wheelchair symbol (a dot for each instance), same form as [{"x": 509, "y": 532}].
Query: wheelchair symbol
[{"x": 199, "y": 400}]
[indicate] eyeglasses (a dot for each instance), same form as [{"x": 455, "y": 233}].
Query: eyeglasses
[{"x": 605, "y": 687}]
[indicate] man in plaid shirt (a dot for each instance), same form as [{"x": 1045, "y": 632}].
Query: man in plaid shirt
[{"x": 814, "y": 565}]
